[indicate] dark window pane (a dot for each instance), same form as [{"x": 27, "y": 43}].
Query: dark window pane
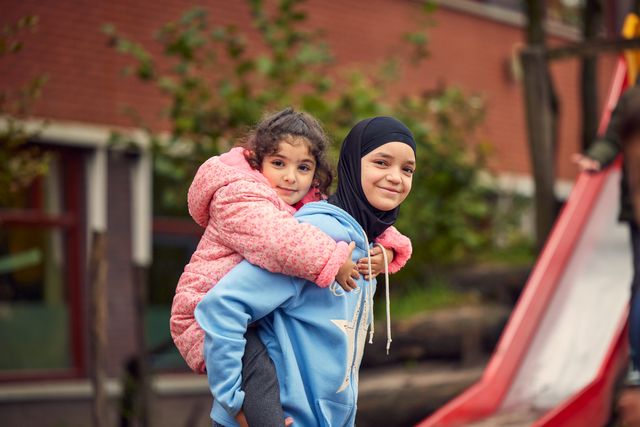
[
  {"x": 34, "y": 312},
  {"x": 170, "y": 254}
]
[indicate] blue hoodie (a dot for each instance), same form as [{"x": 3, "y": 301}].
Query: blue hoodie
[{"x": 315, "y": 336}]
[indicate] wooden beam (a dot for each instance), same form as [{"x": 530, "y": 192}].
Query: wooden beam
[
  {"x": 592, "y": 19},
  {"x": 540, "y": 130},
  {"x": 535, "y": 22},
  {"x": 591, "y": 48},
  {"x": 98, "y": 335}
]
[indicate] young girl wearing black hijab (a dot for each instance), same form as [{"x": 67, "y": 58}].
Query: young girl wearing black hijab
[{"x": 314, "y": 336}]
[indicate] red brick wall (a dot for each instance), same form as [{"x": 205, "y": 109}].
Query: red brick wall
[{"x": 85, "y": 83}]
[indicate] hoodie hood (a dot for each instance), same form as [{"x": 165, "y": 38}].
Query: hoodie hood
[
  {"x": 356, "y": 234},
  {"x": 220, "y": 171}
]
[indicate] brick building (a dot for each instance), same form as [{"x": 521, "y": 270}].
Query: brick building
[{"x": 91, "y": 187}]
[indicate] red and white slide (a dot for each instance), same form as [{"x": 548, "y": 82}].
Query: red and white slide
[{"x": 566, "y": 341}]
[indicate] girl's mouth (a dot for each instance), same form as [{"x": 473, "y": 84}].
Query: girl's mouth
[
  {"x": 287, "y": 190},
  {"x": 390, "y": 190}
]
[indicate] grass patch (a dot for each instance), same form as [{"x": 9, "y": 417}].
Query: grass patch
[
  {"x": 435, "y": 294},
  {"x": 521, "y": 253}
]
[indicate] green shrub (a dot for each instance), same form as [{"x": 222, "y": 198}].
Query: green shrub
[{"x": 217, "y": 88}]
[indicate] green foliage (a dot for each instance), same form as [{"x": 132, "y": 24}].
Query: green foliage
[
  {"x": 431, "y": 294},
  {"x": 512, "y": 245},
  {"x": 448, "y": 207},
  {"x": 19, "y": 164},
  {"x": 218, "y": 87}
]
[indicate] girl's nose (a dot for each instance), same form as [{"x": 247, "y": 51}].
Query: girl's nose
[
  {"x": 290, "y": 177},
  {"x": 392, "y": 177}
]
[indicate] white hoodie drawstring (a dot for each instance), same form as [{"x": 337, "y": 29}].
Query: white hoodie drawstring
[
  {"x": 386, "y": 290},
  {"x": 369, "y": 293}
]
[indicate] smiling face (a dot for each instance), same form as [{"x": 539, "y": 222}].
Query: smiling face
[
  {"x": 290, "y": 170},
  {"x": 387, "y": 173}
]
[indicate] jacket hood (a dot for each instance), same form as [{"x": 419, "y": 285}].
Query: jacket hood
[
  {"x": 220, "y": 171},
  {"x": 356, "y": 233}
]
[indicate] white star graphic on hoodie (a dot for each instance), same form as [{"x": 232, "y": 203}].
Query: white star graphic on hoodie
[{"x": 349, "y": 329}]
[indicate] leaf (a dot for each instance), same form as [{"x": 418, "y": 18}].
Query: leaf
[
  {"x": 145, "y": 71},
  {"x": 167, "y": 84},
  {"x": 108, "y": 29},
  {"x": 264, "y": 65},
  {"x": 245, "y": 67}
]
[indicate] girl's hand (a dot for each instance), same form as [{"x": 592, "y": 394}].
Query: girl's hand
[
  {"x": 348, "y": 272},
  {"x": 377, "y": 262},
  {"x": 586, "y": 164},
  {"x": 241, "y": 419}
]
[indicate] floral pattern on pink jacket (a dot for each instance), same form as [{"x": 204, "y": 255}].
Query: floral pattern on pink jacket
[{"x": 244, "y": 218}]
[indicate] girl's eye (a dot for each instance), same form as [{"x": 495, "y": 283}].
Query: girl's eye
[
  {"x": 380, "y": 162},
  {"x": 304, "y": 168},
  {"x": 277, "y": 163},
  {"x": 410, "y": 171}
]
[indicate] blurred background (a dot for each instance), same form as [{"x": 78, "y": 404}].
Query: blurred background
[{"x": 108, "y": 108}]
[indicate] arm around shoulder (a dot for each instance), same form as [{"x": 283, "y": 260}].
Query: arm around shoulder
[
  {"x": 251, "y": 222},
  {"x": 401, "y": 246}
]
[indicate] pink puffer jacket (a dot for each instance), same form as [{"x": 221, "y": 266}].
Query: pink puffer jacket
[{"x": 245, "y": 219}]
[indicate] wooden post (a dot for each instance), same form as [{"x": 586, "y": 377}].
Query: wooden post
[
  {"x": 535, "y": 22},
  {"x": 142, "y": 356},
  {"x": 98, "y": 336},
  {"x": 592, "y": 19},
  {"x": 541, "y": 109},
  {"x": 540, "y": 131}
]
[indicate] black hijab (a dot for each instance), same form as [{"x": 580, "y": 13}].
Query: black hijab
[{"x": 365, "y": 137}]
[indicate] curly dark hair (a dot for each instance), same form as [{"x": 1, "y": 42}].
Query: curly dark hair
[{"x": 265, "y": 138}]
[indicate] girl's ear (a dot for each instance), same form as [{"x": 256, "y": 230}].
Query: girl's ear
[{"x": 315, "y": 183}]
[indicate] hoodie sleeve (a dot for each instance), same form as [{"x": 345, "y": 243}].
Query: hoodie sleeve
[
  {"x": 401, "y": 246},
  {"x": 251, "y": 223},
  {"x": 606, "y": 148},
  {"x": 239, "y": 299}
]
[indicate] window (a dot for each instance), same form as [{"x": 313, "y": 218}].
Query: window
[
  {"x": 40, "y": 270},
  {"x": 174, "y": 241},
  {"x": 175, "y": 238}
]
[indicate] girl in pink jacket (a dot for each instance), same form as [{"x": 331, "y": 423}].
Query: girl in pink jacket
[{"x": 245, "y": 199}]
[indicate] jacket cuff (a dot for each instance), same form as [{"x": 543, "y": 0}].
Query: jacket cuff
[
  {"x": 328, "y": 274},
  {"x": 401, "y": 246},
  {"x": 603, "y": 153}
]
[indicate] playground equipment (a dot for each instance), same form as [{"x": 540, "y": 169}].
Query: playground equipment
[{"x": 565, "y": 344}]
